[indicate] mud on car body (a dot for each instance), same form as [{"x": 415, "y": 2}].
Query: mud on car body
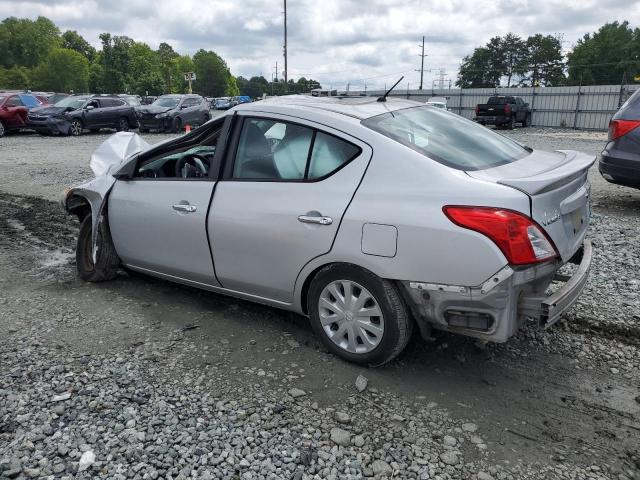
[{"x": 369, "y": 217}]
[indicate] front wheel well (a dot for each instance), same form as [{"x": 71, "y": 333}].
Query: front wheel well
[{"x": 79, "y": 206}]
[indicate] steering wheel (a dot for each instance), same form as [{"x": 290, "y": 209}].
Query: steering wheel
[{"x": 192, "y": 165}]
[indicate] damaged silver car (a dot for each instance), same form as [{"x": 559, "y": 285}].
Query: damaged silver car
[{"x": 370, "y": 217}]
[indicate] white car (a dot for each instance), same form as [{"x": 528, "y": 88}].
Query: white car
[
  {"x": 438, "y": 102},
  {"x": 370, "y": 217}
]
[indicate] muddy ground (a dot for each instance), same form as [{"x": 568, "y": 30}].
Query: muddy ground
[{"x": 561, "y": 403}]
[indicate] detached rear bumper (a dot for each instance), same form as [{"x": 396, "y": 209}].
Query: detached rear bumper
[
  {"x": 621, "y": 171},
  {"x": 495, "y": 310}
]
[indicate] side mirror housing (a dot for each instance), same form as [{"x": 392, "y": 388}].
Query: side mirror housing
[
  {"x": 127, "y": 171},
  {"x": 89, "y": 107}
]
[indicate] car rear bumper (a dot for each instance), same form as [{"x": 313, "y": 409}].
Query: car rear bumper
[
  {"x": 492, "y": 120},
  {"x": 495, "y": 310},
  {"x": 620, "y": 171}
]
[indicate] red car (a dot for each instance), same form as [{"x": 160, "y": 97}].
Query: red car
[{"x": 13, "y": 110}]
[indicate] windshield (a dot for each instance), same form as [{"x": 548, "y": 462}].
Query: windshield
[
  {"x": 71, "y": 102},
  {"x": 170, "y": 102},
  {"x": 447, "y": 138},
  {"x": 497, "y": 101}
]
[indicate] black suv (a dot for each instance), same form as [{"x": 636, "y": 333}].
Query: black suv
[
  {"x": 620, "y": 160},
  {"x": 171, "y": 113},
  {"x": 72, "y": 115}
]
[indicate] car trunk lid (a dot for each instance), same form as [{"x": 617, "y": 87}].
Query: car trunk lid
[{"x": 556, "y": 183}]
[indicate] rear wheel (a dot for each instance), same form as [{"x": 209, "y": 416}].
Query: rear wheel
[
  {"x": 510, "y": 124},
  {"x": 527, "y": 121},
  {"x": 358, "y": 316},
  {"x": 3, "y": 130},
  {"x": 76, "y": 127},
  {"x": 106, "y": 265},
  {"x": 123, "y": 124}
]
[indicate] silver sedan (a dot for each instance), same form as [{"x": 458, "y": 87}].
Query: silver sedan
[{"x": 371, "y": 217}]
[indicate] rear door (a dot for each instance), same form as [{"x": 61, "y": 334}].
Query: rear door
[{"x": 286, "y": 187}]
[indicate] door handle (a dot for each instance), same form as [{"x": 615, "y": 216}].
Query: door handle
[
  {"x": 320, "y": 220},
  {"x": 185, "y": 208}
]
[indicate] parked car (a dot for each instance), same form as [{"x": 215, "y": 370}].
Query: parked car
[
  {"x": 240, "y": 99},
  {"x": 171, "y": 113},
  {"x": 369, "y": 217},
  {"x": 223, "y": 103},
  {"x": 74, "y": 114},
  {"x": 620, "y": 160},
  {"x": 133, "y": 100},
  {"x": 14, "y": 108},
  {"x": 437, "y": 102},
  {"x": 504, "y": 111}
]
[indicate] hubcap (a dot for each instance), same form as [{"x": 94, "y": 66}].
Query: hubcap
[
  {"x": 76, "y": 128},
  {"x": 351, "y": 316},
  {"x": 1, "y": 129}
]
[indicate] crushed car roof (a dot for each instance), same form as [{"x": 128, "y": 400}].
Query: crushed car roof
[{"x": 357, "y": 107}]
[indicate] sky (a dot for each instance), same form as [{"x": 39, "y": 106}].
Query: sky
[{"x": 336, "y": 42}]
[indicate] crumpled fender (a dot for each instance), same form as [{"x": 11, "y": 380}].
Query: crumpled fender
[{"x": 105, "y": 161}]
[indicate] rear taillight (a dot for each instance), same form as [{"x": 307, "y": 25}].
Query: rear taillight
[
  {"x": 477, "y": 109},
  {"x": 619, "y": 128},
  {"x": 519, "y": 238},
  {"x": 507, "y": 109}
]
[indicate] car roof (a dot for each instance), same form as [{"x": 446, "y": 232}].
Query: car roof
[{"x": 355, "y": 107}]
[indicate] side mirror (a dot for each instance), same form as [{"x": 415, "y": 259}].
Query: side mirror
[
  {"x": 89, "y": 107},
  {"x": 127, "y": 171},
  {"x": 182, "y": 107}
]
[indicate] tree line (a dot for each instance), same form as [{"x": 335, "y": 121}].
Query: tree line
[
  {"x": 609, "y": 56},
  {"x": 36, "y": 55}
]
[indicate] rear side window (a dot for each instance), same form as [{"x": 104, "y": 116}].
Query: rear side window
[
  {"x": 447, "y": 138},
  {"x": 29, "y": 101},
  {"x": 283, "y": 151}
]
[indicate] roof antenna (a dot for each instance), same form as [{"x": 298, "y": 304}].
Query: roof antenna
[{"x": 383, "y": 98}]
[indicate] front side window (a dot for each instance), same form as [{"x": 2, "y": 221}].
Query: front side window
[
  {"x": 447, "y": 138},
  {"x": 73, "y": 103},
  {"x": 283, "y": 151}
]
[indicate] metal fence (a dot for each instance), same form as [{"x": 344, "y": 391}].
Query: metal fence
[{"x": 581, "y": 107}]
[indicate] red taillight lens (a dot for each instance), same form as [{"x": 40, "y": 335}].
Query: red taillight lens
[
  {"x": 619, "y": 128},
  {"x": 477, "y": 109},
  {"x": 519, "y": 238},
  {"x": 507, "y": 109}
]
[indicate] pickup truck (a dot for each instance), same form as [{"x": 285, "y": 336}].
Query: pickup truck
[{"x": 503, "y": 111}]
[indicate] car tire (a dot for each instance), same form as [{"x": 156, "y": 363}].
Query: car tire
[
  {"x": 510, "y": 124},
  {"x": 380, "y": 338},
  {"x": 527, "y": 121},
  {"x": 123, "y": 124},
  {"x": 76, "y": 127},
  {"x": 177, "y": 125},
  {"x": 107, "y": 261},
  {"x": 3, "y": 130}
]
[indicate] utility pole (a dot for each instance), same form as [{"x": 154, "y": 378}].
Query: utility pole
[
  {"x": 286, "y": 80},
  {"x": 422, "y": 55}
]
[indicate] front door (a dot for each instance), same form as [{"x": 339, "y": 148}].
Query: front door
[
  {"x": 17, "y": 112},
  {"x": 280, "y": 202},
  {"x": 158, "y": 218}
]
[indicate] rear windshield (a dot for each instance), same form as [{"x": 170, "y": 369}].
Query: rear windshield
[{"x": 447, "y": 138}]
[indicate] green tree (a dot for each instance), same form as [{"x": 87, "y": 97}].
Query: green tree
[
  {"x": 168, "y": 68},
  {"x": 74, "y": 41},
  {"x": 115, "y": 60},
  {"x": 545, "y": 65},
  {"x": 62, "y": 71},
  {"x": 515, "y": 53},
  {"x": 25, "y": 42},
  {"x": 232, "y": 89},
  {"x": 18, "y": 78},
  {"x": 473, "y": 72},
  {"x": 144, "y": 76},
  {"x": 605, "y": 56},
  {"x": 183, "y": 64},
  {"x": 211, "y": 72}
]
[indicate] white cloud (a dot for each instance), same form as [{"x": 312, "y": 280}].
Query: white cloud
[{"x": 334, "y": 41}]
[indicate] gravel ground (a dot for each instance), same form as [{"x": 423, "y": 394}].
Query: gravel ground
[{"x": 139, "y": 378}]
